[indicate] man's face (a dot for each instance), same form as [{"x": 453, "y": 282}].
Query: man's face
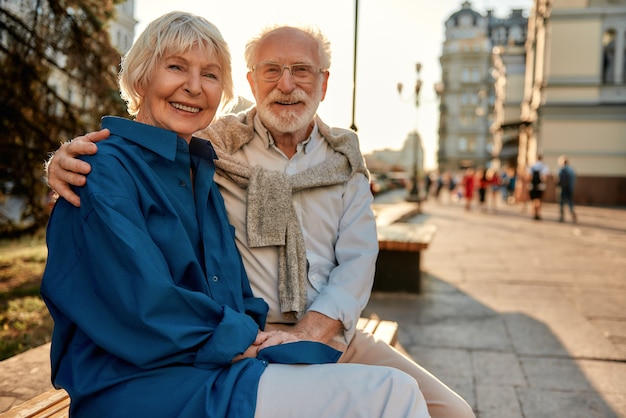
[{"x": 288, "y": 104}]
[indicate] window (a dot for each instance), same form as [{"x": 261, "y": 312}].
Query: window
[
  {"x": 471, "y": 145},
  {"x": 462, "y": 144},
  {"x": 465, "y": 145},
  {"x": 499, "y": 35},
  {"x": 608, "y": 56},
  {"x": 466, "y": 21},
  {"x": 465, "y": 74},
  {"x": 516, "y": 35},
  {"x": 475, "y": 75},
  {"x": 614, "y": 56},
  {"x": 623, "y": 52}
]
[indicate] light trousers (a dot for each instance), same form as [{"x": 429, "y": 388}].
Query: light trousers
[
  {"x": 338, "y": 390},
  {"x": 442, "y": 401}
]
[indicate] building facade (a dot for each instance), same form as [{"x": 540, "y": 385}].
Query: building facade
[
  {"x": 467, "y": 91},
  {"x": 509, "y": 65},
  {"x": 575, "y": 95},
  {"x": 122, "y": 27}
]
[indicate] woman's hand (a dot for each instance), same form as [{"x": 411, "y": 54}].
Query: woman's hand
[{"x": 266, "y": 339}]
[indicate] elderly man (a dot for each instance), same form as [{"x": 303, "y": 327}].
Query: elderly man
[{"x": 297, "y": 193}]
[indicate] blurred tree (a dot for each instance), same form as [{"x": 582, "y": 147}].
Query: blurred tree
[{"x": 58, "y": 76}]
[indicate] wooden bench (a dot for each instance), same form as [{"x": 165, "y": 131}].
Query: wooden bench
[
  {"x": 51, "y": 404},
  {"x": 56, "y": 403},
  {"x": 381, "y": 329},
  {"x": 400, "y": 245}
]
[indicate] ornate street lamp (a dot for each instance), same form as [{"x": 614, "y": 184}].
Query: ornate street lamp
[{"x": 414, "y": 194}]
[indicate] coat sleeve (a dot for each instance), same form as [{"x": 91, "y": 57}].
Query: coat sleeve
[{"x": 356, "y": 249}]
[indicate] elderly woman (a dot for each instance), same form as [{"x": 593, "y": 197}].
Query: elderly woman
[
  {"x": 153, "y": 310},
  {"x": 150, "y": 300}
]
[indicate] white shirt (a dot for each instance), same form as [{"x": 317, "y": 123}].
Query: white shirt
[{"x": 339, "y": 231}]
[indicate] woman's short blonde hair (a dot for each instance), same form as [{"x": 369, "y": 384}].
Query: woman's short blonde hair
[{"x": 174, "y": 32}]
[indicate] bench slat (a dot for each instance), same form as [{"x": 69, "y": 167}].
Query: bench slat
[
  {"x": 51, "y": 404},
  {"x": 381, "y": 329},
  {"x": 370, "y": 327},
  {"x": 387, "y": 331}
]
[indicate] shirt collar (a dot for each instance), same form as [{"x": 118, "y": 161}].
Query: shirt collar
[
  {"x": 202, "y": 148},
  {"x": 159, "y": 140}
]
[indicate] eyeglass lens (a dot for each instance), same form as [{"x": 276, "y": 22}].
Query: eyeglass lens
[{"x": 304, "y": 73}]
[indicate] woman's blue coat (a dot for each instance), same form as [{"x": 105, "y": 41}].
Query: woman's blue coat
[{"x": 146, "y": 287}]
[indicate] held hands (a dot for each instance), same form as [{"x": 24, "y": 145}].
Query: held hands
[
  {"x": 266, "y": 339},
  {"x": 64, "y": 169},
  {"x": 313, "y": 326}
]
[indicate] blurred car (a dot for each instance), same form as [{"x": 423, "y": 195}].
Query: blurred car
[{"x": 379, "y": 183}]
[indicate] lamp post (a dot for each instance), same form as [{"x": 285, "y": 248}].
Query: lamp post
[
  {"x": 414, "y": 194},
  {"x": 356, "y": 34}
]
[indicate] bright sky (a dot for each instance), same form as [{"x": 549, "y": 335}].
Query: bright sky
[{"x": 393, "y": 35}]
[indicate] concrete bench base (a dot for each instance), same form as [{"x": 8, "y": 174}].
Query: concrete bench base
[{"x": 398, "y": 266}]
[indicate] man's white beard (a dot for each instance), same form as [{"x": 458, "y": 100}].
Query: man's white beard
[{"x": 288, "y": 120}]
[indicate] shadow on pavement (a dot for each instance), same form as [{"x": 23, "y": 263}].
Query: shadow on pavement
[{"x": 505, "y": 364}]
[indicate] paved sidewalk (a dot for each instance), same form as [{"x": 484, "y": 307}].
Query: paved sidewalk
[{"x": 523, "y": 318}]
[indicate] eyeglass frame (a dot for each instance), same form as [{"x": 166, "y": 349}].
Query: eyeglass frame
[{"x": 319, "y": 70}]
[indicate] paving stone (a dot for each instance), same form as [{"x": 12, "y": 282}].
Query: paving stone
[
  {"x": 497, "y": 401},
  {"x": 555, "y": 374},
  {"x": 497, "y": 368},
  {"x": 552, "y": 403}
]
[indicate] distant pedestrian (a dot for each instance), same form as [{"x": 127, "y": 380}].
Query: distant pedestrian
[
  {"x": 508, "y": 185},
  {"x": 537, "y": 176},
  {"x": 439, "y": 185},
  {"x": 567, "y": 180},
  {"x": 452, "y": 184},
  {"x": 483, "y": 184},
  {"x": 495, "y": 184},
  {"x": 428, "y": 182},
  {"x": 468, "y": 187}
]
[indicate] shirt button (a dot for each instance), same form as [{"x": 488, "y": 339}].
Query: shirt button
[
  {"x": 182, "y": 183},
  {"x": 215, "y": 278}
]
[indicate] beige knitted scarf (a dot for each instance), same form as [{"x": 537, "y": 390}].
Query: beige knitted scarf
[{"x": 271, "y": 219}]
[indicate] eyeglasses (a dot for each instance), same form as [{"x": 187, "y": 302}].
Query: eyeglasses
[{"x": 301, "y": 73}]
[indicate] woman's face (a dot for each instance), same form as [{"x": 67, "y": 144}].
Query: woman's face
[{"x": 184, "y": 93}]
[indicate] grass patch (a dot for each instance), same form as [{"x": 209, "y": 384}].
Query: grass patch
[{"x": 24, "y": 319}]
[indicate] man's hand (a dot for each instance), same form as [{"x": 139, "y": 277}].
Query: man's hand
[
  {"x": 313, "y": 326},
  {"x": 64, "y": 169},
  {"x": 266, "y": 339}
]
